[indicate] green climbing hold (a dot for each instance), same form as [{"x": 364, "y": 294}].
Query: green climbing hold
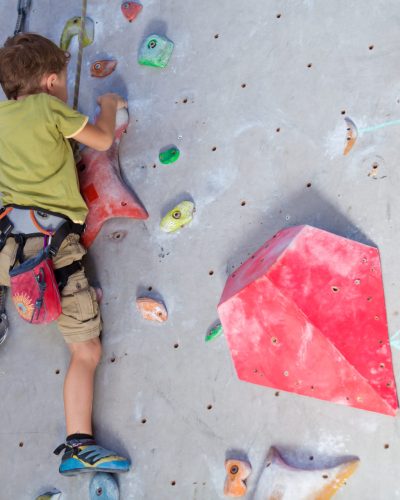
[
  {"x": 214, "y": 332},
  {"x": 169, "y": 155},
  {"x": 155, "y": 51},
  {"x": 73, "y": 27},
  {"x": 178, "y": 217}
]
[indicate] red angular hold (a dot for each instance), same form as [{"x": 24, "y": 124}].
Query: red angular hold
[
  {"x": 131, "y": 10},
  {"x": 103, "y": 188},
  {"x": 306, "y": 314}
]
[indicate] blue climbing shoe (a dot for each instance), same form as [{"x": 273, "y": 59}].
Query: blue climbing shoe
[{"x": 87, "y": 456}]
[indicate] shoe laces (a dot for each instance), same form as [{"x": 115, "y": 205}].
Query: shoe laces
[{"x": 73, "y": 445}]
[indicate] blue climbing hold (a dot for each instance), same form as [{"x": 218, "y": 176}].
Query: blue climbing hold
[{"x": 103, "y": 486}]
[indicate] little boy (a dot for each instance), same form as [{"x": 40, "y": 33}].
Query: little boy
[{"x": 38, "y": 175}]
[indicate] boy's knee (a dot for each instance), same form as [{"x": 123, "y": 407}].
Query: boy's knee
[{"x": 89, "y": 351}]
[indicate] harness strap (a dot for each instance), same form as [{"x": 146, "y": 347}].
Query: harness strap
[
  {"x": 62, "y": 232},
  {"x": 6, "y": 227},
  {"x": 63, "y": 274},
  {"x": 21, "y": 240}
]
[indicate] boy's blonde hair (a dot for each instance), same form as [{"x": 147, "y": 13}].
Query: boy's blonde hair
[{"x": 25, "y": 59}]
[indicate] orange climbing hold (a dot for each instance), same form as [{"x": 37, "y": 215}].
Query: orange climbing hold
[
  {"x": 103, "y": 188},
  {"x": 151, "y": 309},
  {"x": 103, "y": 68},
  {"x": 237, "y": 471}
]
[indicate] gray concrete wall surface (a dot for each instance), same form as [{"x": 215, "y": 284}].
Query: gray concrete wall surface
[{"x": 269, "y": 94}]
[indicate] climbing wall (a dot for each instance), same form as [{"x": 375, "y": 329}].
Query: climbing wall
[{"x": 254, "y": 96}]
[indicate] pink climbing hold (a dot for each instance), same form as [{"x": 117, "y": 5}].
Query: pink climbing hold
[
  {"x": 131, "y": 10},
  {"x": 306, "y": 314},
  {"x": 103, "y": 188}
]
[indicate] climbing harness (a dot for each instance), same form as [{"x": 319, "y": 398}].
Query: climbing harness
[
  {"x": 23, "y": 8},
  {"x": 35, "y": 285}
]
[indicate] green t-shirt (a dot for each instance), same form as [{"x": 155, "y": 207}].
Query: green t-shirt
[{"x": 37, "y": 166}]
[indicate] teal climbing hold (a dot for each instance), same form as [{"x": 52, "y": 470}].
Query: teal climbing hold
[
  {"x": 169, "y": 155},
  {"x": 155, "y": 51},
  {"x": 214, "y": 332},
  {"x": 103, "y": 486}
]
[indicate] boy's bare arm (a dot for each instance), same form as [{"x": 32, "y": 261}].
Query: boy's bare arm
[{"x": 100, "y": 136}]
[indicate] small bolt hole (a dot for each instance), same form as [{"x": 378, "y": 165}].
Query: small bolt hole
[
  {"x": 99, "y": 492},
  {"x": 308, "y": 184},
  {"x": 325, "y": 476},
  {"x": 173, "y": 483},
  {"x": 386, "y": 446},
  {"x": 57, "y": 372},
  {"x": 243, "y": 203},
  {"x": 234, "y": 469},
  {"x": 335, "y": 289},
  {"x": 278, "y": 130},
  {"x": 309, "y": 65},
  {"x": 274, "y": 340},
  {"x": 343, "y": 112},
  {"x": 211, "y": 272},
  {"x": 311, "y": 458},
  {"x": 278, "y": 16},
  {"x": 277, "y": 394},
  {"x": 21, "y": 444},
  {"x": 144, "y": 420},
  {"x": 123, "y": 203},
  {"x": 209, "y": 407},
  {"x": 371, "y": 47},
  {"x": 150, "y": 288},
  {"x": 112, "y": 360},
  {"x": 176, "y": 346},
  {"x": 382, "y": 365},
  {"x": 243, "y": 85},
  {"x": 214, "y": 148},
  {"x": 216, "y": 35},
  {"x": 185, "y": 101}
]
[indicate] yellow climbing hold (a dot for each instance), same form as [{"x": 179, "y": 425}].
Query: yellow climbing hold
[{"x": 178, "y": 217}]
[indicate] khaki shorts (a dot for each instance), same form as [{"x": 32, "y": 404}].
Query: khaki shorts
[{"x": 80, "y": 318}]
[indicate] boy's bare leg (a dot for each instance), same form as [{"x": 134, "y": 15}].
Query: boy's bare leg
[
  {"x": 79, "y": 385},
  {"x": 81, "y": 452}
]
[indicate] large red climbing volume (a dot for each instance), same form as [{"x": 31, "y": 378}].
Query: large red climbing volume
[
  {"x": 306, "y": 314},
  {"x": 103, "y": 188}
]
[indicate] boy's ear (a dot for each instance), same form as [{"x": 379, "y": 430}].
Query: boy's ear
[{"x": 49, "y": 82}]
